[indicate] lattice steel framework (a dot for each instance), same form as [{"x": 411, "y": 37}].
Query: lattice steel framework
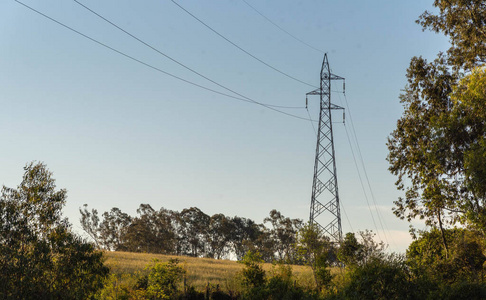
[{"x": 325, "y": 196}]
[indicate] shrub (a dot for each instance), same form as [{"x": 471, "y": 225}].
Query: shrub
[
  {"x": 163, "y": 279},
  {"x": 379, "y": 278}
]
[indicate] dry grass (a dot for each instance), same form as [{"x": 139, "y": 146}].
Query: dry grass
[{"x": 200, "y": 271}]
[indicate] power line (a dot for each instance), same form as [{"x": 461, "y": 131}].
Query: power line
[
  {"x": 380, "y": 217},
  {"x": 347, "y": 219},
  {"x": 311, "y": 121},
  {"x": 245, "y": 51},
  {"x": 358, "y": 150},
  {"x": 172, "y": 59},
  {"x": 362, "y": 185},
  {"x": 155, "y": 68},
  {"x": 276, "y": 25}
]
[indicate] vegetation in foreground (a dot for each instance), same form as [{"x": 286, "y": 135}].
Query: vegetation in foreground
[{"x": 40, "y": 257}]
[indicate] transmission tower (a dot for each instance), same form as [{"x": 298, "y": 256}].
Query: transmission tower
[{"x": 325, "y": 197}]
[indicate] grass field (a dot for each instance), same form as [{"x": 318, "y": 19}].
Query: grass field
[{"x": 200, "y": 271}]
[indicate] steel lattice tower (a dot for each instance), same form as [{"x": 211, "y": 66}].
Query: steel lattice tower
[{"x": 325, "y": 197}]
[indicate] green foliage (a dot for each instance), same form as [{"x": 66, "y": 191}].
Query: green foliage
[
  {"x": 463, "y": 262},
  {"x": 438, "y": 153},
  {"x": 350, "y": 251},
  {"x": 280, "y": 285},
  {"x": 317, "y": 252},
  {"x": 253, "y": 273},
  {"x": 284, "y": 235},
  {"x": 438, "y": 150},
  {"x": 462, "y": 290},
  {"x": 191, "y": 232},
  {"x": 379, "y": 278},
  {"x": 39, "y": 255},
  {"x": 163, "y": 279},
  {"x": 463, "y": 22},
  {"x": 117, "y": 287},
  {"x": 420, "y": 152}
]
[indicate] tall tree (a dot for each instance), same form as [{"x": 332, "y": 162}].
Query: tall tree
[{"x": 432, "y": 149}]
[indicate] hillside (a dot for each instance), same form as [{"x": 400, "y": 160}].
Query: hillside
[{"x": 200, "y": 271}]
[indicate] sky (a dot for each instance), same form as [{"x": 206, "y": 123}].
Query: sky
[{"x": 117, "y": 132}]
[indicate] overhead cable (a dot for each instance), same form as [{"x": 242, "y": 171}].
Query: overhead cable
[
  {"x": 279, "y": 27},
  {"x": 240, "y": 48},
  {"x": 362, "y": 185},
  {"x": 155, "y": 68},
  {"x": 172, "y": 59},
  {"x": 358, "y": 148}
]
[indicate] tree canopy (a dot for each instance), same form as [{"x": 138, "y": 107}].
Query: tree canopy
[
  {"x": 438, "y": 149},
  {"x": 40, "y": 257}
]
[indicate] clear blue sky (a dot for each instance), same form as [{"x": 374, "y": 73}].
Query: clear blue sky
[{"x": 116, "y": 133}]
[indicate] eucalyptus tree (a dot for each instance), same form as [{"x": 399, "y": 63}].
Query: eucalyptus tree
[
  {"x": 284, "y": 235},
  {"x": 192, "y": 231},
  {"x": 219, "y": 236},
  {"x": 437, "y": 150}
]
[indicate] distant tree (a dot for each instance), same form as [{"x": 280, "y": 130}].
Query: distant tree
[
  {"x": 317, "y": 252},
  {"x": 40, "y": 258},
  {"x": 90, "y": 222},
  {"x": 219, "y": 235},
  {"x": 370, "y": 247},
  {"x": 109, "y": 232},
  {"x": 113, "y": 228},
  {"x": 192, "y": 232},
  {"x": 151, "y": 231},
  {"x": 264, "y": 244},
  {"x": 244, "y": 236},
  {"x": 353, "y": 252},
  {"x": 284, "y": 234}
]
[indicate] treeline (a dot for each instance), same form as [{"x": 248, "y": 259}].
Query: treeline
[{"x": 191, "y": 232}]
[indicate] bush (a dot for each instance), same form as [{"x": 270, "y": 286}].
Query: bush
[
  {"x": 253, "y": 273},
  {"x": 163, "y": 279},
  {"x": 379, "y": 278},
  {"x": 40, "y": 257}
]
